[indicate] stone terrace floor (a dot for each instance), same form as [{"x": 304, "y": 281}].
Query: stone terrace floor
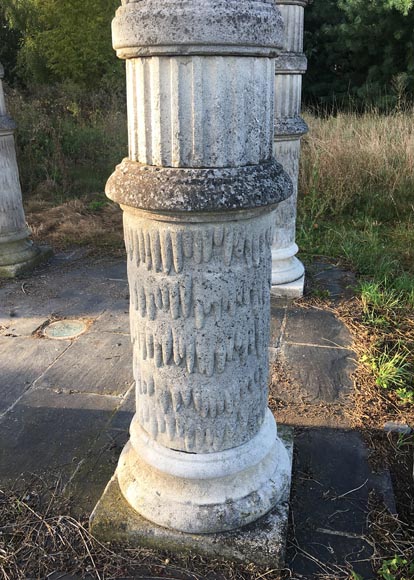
[{"x": 65, "y": 405}]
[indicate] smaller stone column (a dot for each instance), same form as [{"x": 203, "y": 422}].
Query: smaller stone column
[
  {"x": 17, "y": 252},
  {"x": 288, "y": 273}
]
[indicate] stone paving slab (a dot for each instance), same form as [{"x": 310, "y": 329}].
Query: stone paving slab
[
  {"x": 316, "y": 327},
  {"x": 98, "y": 363},
  {"x": 48, "y": 431},
  {"x": 322, "y": 374},
  {"x": 332, "y": 483},
  {"x": 23, "y": 361}
]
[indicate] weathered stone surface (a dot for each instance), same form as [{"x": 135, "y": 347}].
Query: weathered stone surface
[
  {"x": 208, "y": 112},
  {"x": 289, "y": 290},
  {"x": 17, "y": 252},
  {"x": 330, "y": 502},
  {"x": 23, "y": 360},
  {"x": 194, "y": 27},
  {"x": 262, "y": 542},
  {"x": 51, "y": 431},
  {"x": 204, "y": 455},
  {"x": 290, "y": 65},
  {"x": 114, "y": 378},
  {"x": 200, "y": 324},
  {"x": 286, "y": 267},
  {"x": 291, "y": 126},
  {"x": 324, "y": 374},
  {"x": 198, "y": 190},
  {"x": 316, "y": 327}
]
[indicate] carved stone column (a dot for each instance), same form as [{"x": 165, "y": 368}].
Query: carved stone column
[
  {"x": 198, "y": 190},
  {"x": 17, "y": 252},
  {"x": 287, "y": 271}
]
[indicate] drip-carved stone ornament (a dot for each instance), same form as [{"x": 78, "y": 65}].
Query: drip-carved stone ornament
[{"x": 198, "y": 193}]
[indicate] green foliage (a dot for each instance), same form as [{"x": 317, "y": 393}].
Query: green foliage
[
  {"x": 68, "y": 140},
  {"x": 9, "y": 45},
  {"x": 397, "y": 568},
  {"x": 360, "y": 51},
  {"x": 64, "y": 41}
]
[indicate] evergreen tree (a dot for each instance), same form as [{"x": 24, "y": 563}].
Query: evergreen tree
[{"x": 363, "y": 49}]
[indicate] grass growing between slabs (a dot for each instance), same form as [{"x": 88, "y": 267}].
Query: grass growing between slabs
[{"x": 356, "y": 206}]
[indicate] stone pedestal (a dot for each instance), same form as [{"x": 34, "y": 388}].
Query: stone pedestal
[
  {"x": 18, "y": 254},
  {"x": 198, "y": 193},
  {"x": 287, "y": 271}
]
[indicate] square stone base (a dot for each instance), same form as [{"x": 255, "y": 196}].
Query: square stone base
[
  {"x": 262, "y": 543},
  {"x": 292, "y": 290}
]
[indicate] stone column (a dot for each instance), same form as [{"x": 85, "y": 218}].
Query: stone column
[
  {"x": 17, "y": 252},
  {"x": 287, "y": 271},
  {"x": 197, "y": 191}
]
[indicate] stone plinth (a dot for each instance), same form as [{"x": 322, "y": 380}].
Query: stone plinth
[
  {"x": 198, "y": 191},
  {"x": 17, "y": 252},
  {"x": 262, "y": 542},
  {"x": 287, "y": 271}
]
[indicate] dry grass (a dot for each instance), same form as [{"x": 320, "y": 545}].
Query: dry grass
[
  {"x": 75, "y": 223},
  {"x": 39, "y": 538},
  {"x": 355, "y": 160}
]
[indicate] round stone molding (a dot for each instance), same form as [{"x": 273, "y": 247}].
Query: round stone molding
[
  {"x": 295, "y": 126},
  {"x": 288, "y": 63},
  {"x": 204, "y": 493},
  {"x": 194, "y": 27},
  {"x": 198, "y": 190}
]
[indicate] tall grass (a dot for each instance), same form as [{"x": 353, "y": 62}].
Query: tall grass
[
  {"x": 356, "y": 204},
  {"x": 357, "y": 191}
]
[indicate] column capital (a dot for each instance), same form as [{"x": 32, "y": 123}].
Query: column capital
[{"x": 197, "y": 27}]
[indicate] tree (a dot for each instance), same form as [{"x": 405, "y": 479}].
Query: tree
[
  {"x": 359, "y": 48},
  {"x": 64, "y": 40}
]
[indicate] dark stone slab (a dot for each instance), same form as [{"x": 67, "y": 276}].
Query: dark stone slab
[
  {"x": 49, "y": 431},
  {"x": 23, "y": 360},
  {"x": 331, "y": 487},
  {"x": 90, "y": 481},
  {"x": 114, "y": 320},
  {"x": 316, "y": 327},
  {"x": 278, "y": 314},
  {"x": 95, "y": 363},
  {"x": 338, "y": 282},
  {"x": 316, "y": 374}
]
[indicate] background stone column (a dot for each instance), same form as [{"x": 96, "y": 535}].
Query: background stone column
[
  {"x": 287, "y": 271},
  {"x": 198, "y": 190},
  {"x": 17, "y": 252}
]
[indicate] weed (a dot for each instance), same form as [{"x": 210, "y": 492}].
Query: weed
[
  {"x": 391, "y": 369},
  {"x": 397, "y": 568}
]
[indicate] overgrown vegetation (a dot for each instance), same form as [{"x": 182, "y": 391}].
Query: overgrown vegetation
[{"x": 357, "y": 205}]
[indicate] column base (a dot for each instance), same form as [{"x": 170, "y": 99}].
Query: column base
[
  {"x": 204, "y": 493},
  {"x": 290, "y": 290},
  {"x": 262, "y": 542},
  {"x": 17, "y": 258}
]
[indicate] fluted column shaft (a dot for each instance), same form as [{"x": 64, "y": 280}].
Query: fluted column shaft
[
  {"x": 198, "y": 192},
  {"x": 289, "y": 129}
]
